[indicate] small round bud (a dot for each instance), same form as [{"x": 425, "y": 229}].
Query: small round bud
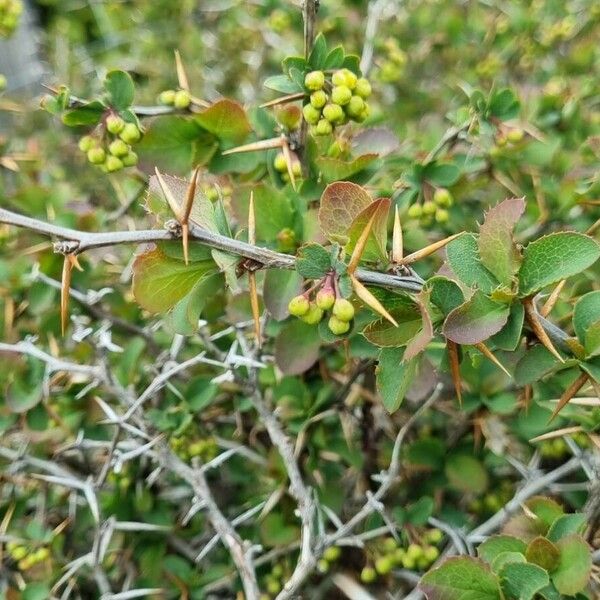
[
  {"x": 384, "y": 564},
  {"x": 431, "y": 553},
  {"x": 87, "y": 142},
  {"x": 311, "y": 114},
  {"x": 114, "y": 124},
  {"x": 441, "y": 215},
  {"x": 332, "y": 553},
  {"x": 130, "y": 159},
  {"x": 113, "y": 164},
  {"x": 325, "y": 298},
  {"x": 299, "y": 306},
  {"x": 343, "y": 309},
  {"x": 96, "y": 156},
  {"x": 368, "y": 575},
  {"x": 313, "y": 316},
  {"x": 442, "y": 197},
  {"x": 280, "y": 163},
  {"x": 434, "y": 536},
  {"x": 414, "y": 551},
  {"x": 515, "y": 135},
  {"x": 182, "y": 99},
  {"x": 415, "y": 211},
  {"x": 314, "y": 80},
  {"x": 273, "y": 587},
  {"x": 131, "y": 133},
  {"x": 118, "y": 148},
  {"x": 344, "y": 77},
  {"x": 389, "y": 544},
  {"x": 41, "y": 554},
  {"x": 334, "y": 113},
  {"x": 24, "y": 564},
  {"x": 355, "y": 107},
  {"x": 167, "y": 97},
  {"x": 363, "y": 88},
  {"x": 18, "y": 553},
  {"x": 322, "y": 565},
  {"x": 408, "y": 562},
  {"x": 323, "y": 127},
  {"x": 341, "y": 95},
  {"x": 318, "y": 99},
  {"x": 429, "y": 207},
  {"x": 338, "y": 327}
]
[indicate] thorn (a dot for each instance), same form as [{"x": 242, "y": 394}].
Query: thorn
[
  {"x": 288, "y": 161},
  {"x": 181, "y": 74},
  {"x": 452, "y": 348},
  {"x": 569, "y": 393},
  {"x": 284, "y": 100},
  {"x": 423, "y": 252},
  {"x": 251, "y": 275},
  {"x": 489, "y": 355},
  {"x": 551, "y": 301},
  {"x": 65, "y": 289},
  {"x": 185, "y": 214},
  {"x": 536, "y": 326},
  {"x": 361, "y": 244},
  {"x": 269, "y": 144},
  {"x": 397, "y": 241},
  {"x": 367, "y": 297}
]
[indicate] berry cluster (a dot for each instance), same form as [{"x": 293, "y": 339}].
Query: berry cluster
[
  {"x": 280, "y": 165},
  {"x": 273, "y": 582},
  {"x": 178, "y": 98},
  {"x": 415, "y": 557},
  {"x": 508, "y": 136},
  {"x": 111, "y": 150},
  {"x": 26, "y": 557},
  {"x": 186, "y": 448},
  {"x": 494, "y": 501},
  {"x": 434, "y": 209},
  {"x": 392, "y": 68},
  {"x": 557, "y": 448},
  {"x": 10, "y": 11},
  {"x": 335, "y": 102},
  {"x": 312, "y": 312}
]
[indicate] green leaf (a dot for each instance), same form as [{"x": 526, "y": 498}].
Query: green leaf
[
  {"x": 523, "y": 581},
  {"x": 376, "y": 247},
  {"x": 475, "y": 320},
  {"x": 441, "y": 174},
  {"x": 352, "y": 62},
  {"x": 337, "y": 169},
  {"x": 465, "y": 262},
  {"x": 497, "y": 544},
  {"x": 160, "y": 281},
  {"x": 466, "y": 474},
  {"x": 334, "y": 59},
  {"x": 226, "y": 119},
  {"x": 120, "y": 89},
  {"x": 341, "y": 203},
  {"x": 536, "y": 363},
  {"x": 280, "y": 287},
  {"x": 507, "y": 558},
  {"x": 461, "y": 578},
  {"x": 294, "y": 62},
  {"x": 545, "y": 509},
  {"x": 394, "y": 377},
  {"x": 406, "y": 313},
  {"x": 509, "y": 336},
  {"x": 20, "y": 397},
  {"x": 87, "y": 114},
  {"x": 592, "y": 340},
  {"x": 313, "y": 261},
  {"x": 566, "y": 525},
  {"x": 282, "y": 84},
  {"x": 444, "y": 293},
  {"x": 318, "y": 54},
  {"x": 504, "y": 105},
  {"x": 36, "y": 591},
  {"x": 586, "y": 312},
  {"x": 575, "y": 566},
  {"x": 555, "y": 257},
  {"x": 297, "y": 347},
  {"x": 498, "y": 251},
  {"x": 419, "y": 342},
  {"x": 543, "y": 552}
]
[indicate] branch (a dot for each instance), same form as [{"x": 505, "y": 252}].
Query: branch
[{"x": 84, "y": 240}]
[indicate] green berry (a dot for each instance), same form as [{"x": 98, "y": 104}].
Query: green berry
[
  {"x": 131, "y": 133},
  {"x": 441, "y": 215},
  {"x": 408, "y": 562},
  {"x": 277, "y": 571},
  {"x": 296, "y": 168},
  {"x": 24, "y": 564},
  {"x": 429, "y": 207},
  {"x": 114, "y": 124},
  {"x": 41, "y": 554},
  {"x": 341, "y": 95},
  {"x": 355, "y": 107},
  {"x": 323, "y": 127},
  {"x": 515, "y": 135},
  {"x": 415, "y": 211},
  {"x": 384, "y": 564},
  {"x": 118, "y": 148},
  {"x": 442, "y": 197},
  {"x": 322, "y": 565},
  {"x": 130, "y": 159},
  {"x": 167, "y": 97},
  {"x": 113, "y": 164},
  {"x": 337, "y": 326},
  {"x": 414, "y": 551},
  {"x": 314, "y": 80},
  {"x": 313, "y": 316},
  {"x": 87, "y": 142},
  {"x": 389, "y": 544},
  {"x": 343, "y": 310},
  {"x": 368, "y": 575},
  {"x": 399, "y": 555},
  {"x": 18, "y": 553},
  {"x": 318, "y": 99},
  {"x": 299, "y": 306},
  {"x": 325, "y": 298},
  {"x": 434, "y": 536},
  {"x": 273, "y": 587},
  {"x": 96, "y": 156},
  {"x": 344, "y": 77},
  {"x": 334, "y": 113},
  {"x": 332, "y": 553},
  {"x": 280, "y": 163},
  {"x": 363, "y": 88},
  {"x": 311, "y": 114},
  {"x": 501, "y": 140},
  {"x": 182, "y": 99},
  {"x": 431, "y": 553}
]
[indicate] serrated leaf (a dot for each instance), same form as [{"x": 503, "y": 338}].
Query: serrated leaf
[
  {"x": 586, "y": 312},
  {"x": 226, "y": 119},
  {"x": 297, "y": 347},
  {"x": 87, "y": 114},
  {"x": 461, "y": 578},
  {"x": 465, "y": 262},
  {"x": 497, "y": 249},
  {"x": 444, "y": 293},
  {"x": 545, "y": 509},
  {"x": 466, "y": 474},
  {"x": 554, "y": 257},
  {"x": 382, "y": 333},
  {"x": 489, "y": 549},
  {"x": 566, "y": 525},
  {"x": 475, "y": 320},
  {"x": 313, "y": 261},
  {"x": 341, "y": 203},
  {"x": 543, "y": 552},
  {"x": 393, "y": 377},
  {"x": 523, "y": 581},
  {"x": 376, "y": 245},
  {"x": 337, "y": 169},
  {"x": 573, "y": 571},
  {"x": 280, "y": 286},
  {"x": 535, "y": 364},
  {"x": 120, "y": 89}
]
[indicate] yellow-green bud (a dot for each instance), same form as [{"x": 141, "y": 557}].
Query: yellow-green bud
[
  {"x": 18, "y": 553},
  {"x": 114, "y": 124},
  {"x": 355, "y": 107},
  {"x": 414, "y": 551},
  {"x": 429, "y": 207},
  {"x": 415, "y": 211},
  {"x": 441, "y": 215},
  {"x": 130, "y": 159},
  {"x": 318, "y": 99},
  {"x": 334, "y": 113},
  {"x": 442, "y": 197},
  {"x": 384, "y": 564},
  {"x": 343, "y": 310},
  {"x": 311, "y": 114},
  {"x": 118, "y": 148},
  {"x": 431, "y": 553},
  {"x": 182, "y": 99},
  {"x": 434, "y": 536},
  {"x": 325, "y": 298},
  {"x": 87, "y": 142},
  {"x": 314, "y": 80},
  {"x": 280, "y": 163},
  {"x": 323, "y": 127},
  {"x": 368, "y": 575},
  {"x": 299, "y": 306},
  {"x": 96, "y": 155},
  {"x": 130, "y": 133},
  {"x": 515, "y": 135},
  {"x": 167, "y": 97},
  {"x": 332, "y": 553},
  {"x": 313, "y": 316},
  {"x": 113, "y": 164},
  {"x": 338, "y": 327},
  {"x": 341, "y": 95},
  {"x": 363, "y": 88}
]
